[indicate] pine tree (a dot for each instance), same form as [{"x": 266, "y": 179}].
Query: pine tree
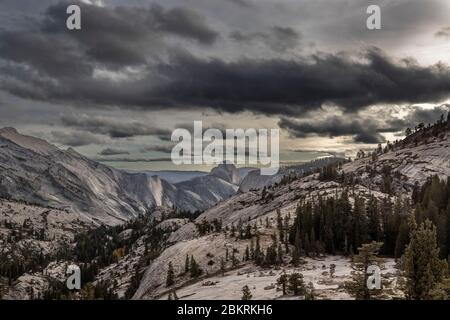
[
  {"x": 286, "y": 222},
  {"x": 186, "y": 264},
  {"x": 170, "y": 280},
  {"x": 283, "y": 282},
  {"x": 297, "y": 240},
  {"x": 259, "y": 256},
  {"x": 374, "y": 220},
  {"x": 271, "y": 254},
  {"x": 263, "y": 193},
  {"x": 195, "y": 268},
  {"x": 296, "y": 284},
  {"x": 332, "y": 270},
  {"x": 423, "y": 270},
  {"x": 222, "y": 266},
  {"x": 310, "y": 292},
  {"x": 359, "y": 223},
  {"x": 307, "y": 244},
  {"x": 280, "y": 254},
  {"x": 367, "y": 256},
  {"x": 295, "y": 257},
  {"x": 234, "y": 259},
  {"x": 391, "y": 217},
  {"x": 246, "y": 293},
  {"x": 280, "y": 224},
  {"x": 247, "y": 254},
  {"x": 402, "y": 239}
]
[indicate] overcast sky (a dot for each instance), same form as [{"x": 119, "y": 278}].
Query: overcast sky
[{"x": 138, "y": 69}]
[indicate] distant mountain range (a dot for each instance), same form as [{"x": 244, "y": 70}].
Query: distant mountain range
[
  {"x": 34, "y": 171},
  {"x": 175, "y": 176},
  {"x": 37, "y": 172}
]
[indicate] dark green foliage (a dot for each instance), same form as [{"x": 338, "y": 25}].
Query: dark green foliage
[
  {"x": 206, "y": 227},
  {"x": 246, "y": 293},
  {"x": 186, "y": 264},
  {"x": 283, "y": 282},
  {"x": 170, "y": 279},
  {"x": 433, "y": 203},
  {"x": 333, "y": 225},
  {"x": 194, "y": 268},
  {"x": 367, "y": 256},
  {"x": 296, "y": 284},
  {"x": 423, "y": 270},
  {"x": 328, "y": 173},
  {"x": 329, "y": 226}
]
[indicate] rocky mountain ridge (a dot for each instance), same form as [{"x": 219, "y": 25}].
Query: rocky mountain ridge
[{"x": 37, "y": 172}]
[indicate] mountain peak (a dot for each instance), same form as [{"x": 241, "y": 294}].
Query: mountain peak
[
  {"x": 28, "y": 142},
  {"x": 227, "y": 172},
  {"x": 7, "y": 130}
]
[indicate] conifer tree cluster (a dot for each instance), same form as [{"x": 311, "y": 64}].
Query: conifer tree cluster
[
  {"x": 432, "y": 202},
  {"x": 272, "y": 255},
  {"x": 423, "y": 269},
  {"x": 334, "y": 225},
  {"x": 292, "y": 284}
]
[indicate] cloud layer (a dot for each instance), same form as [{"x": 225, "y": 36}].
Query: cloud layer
[{"x": 281, "y": 60}]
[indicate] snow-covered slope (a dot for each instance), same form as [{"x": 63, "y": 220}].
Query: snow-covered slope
[
  {"x": 407, "y": 165},
  {"x": 409, "y": 162},
  {"x": 250, "y": 208},
  {"x": 37, "y": 145},
  {"x": 254, "y": 180}
]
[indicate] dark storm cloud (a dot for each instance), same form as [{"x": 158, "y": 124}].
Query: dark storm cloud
[
  {"x": 416, "y": 116},
  {"x": 427, "y": 115},
  {"x": 362, "y": 131},
  {"x": 54, "y": 65},
  {"x": 115, "y": 129},
  {"x": 184, "y": 22},
  {"x": 112, "y": 152},
  {"x": 114, "y": 37},
  {"x": 75, "y": 139},
  {"x": 293, "y": 87},
  {"x": 278, "y": 38},
  {"x": 126, "y": 23},
  {"x": 52, "y": 57},
  {"x": 363, "y": 128},
  {"x": 275, "y": 86},
  {"x": 368, "y": 137}
]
